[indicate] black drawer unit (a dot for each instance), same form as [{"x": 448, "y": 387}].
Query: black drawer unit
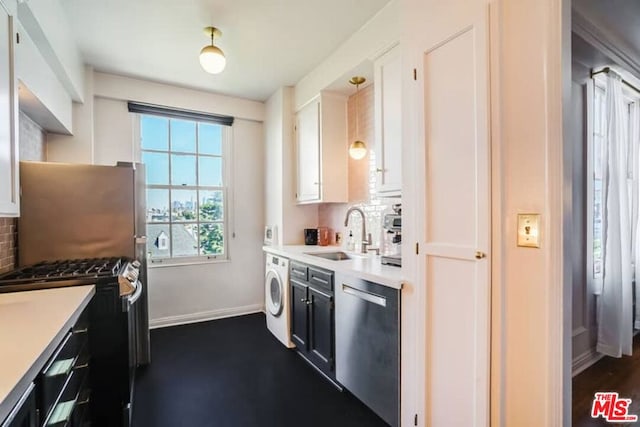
[
  {"x": 25, "y": 413},
  {"x": 63, "y": 383},
  {"x": 320, "y": 278},
  {"x": 298, "y": 271},
  {"x": 312, "y": 315}
]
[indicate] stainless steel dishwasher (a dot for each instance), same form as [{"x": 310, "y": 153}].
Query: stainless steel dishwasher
[{"x": 367, "y": 327}]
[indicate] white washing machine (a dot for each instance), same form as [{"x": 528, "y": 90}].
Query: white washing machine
[{"x": 277, "y": 308}]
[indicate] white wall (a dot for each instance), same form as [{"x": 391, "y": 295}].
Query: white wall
[
  {"x": 378, "y": 35},
  {"x": 280, "y": 164},
  {"x": 196, "y": 292},
  {"x": 185, "y": 293},
  {"x": 77, "y": 148}
]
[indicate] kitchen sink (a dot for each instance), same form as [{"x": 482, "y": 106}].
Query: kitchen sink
[{"x": 333, "y": 256}]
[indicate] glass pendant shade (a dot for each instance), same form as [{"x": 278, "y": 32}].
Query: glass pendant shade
[
  {"x": 212, "y": 59},
  {"x": 357, "y": 150}
]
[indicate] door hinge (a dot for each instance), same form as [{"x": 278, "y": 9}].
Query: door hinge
[
  {"x": 417, "y": 248},
  {"x": 415, "y": 74},
  {"x": 17, "y": 38},
  {"x": 415, "y": 420}
]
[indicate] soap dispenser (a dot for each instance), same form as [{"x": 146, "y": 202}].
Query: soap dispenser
[{"x": 351, "y": 246}]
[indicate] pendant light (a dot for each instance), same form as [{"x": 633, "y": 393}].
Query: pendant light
[
  {"x": 357, "y": 149},
  {"x": 211, "y": 57}
]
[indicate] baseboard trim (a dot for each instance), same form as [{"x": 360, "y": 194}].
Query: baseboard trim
[
  {"x": 584, "y": 361},
  {"x": 203, "y": 316}
]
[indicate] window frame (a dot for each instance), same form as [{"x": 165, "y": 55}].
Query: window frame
[
  {"x": 227, "y": 190},
  {"x": 632, "y": 99}
]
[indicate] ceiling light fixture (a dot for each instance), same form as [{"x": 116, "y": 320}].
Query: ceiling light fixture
[
  {"x": 357, "y": 149},
  {"x": 211, "y": 57}
]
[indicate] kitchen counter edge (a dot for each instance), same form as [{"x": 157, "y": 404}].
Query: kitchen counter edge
[
  {"x": 389, "y": 276},
  {"x": 14, "y": 395}
]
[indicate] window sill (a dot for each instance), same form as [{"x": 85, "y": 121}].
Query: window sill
[{"x": 172, "y": 262}]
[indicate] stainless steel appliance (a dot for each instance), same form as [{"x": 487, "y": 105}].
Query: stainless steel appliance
[
  {"x": 74, "y": 211},
  {"x": 367, "y": 317},
  {"x": 112, "y": 326},
  {"x": 393, "y": 224}
]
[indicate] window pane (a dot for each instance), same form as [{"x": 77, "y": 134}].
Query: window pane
[
  {"x": 154, "y": 132},
  {"x": 211, "y": 206},
  {"x": 185, "y": 240},
  {"x": 184, "y": 205},
  {"x": 157, "y": 205},
  {"x": 183, "y": 136},
  {"x": 157, "y": 167},
  {"x": 210, "y": 171},
  {"x": 183, "y": 169},
  {"x": 209, "y": 138},
  {"x": 159, "y": 240},
  {"x": 211, "y": 239}
]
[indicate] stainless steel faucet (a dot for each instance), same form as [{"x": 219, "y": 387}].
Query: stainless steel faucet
[{"x": 366, "y": 238}]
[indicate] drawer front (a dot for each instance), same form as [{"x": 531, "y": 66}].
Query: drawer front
[
  {"x": 64, "y": 409},
  {"x": 73, "y": 355},
  {"x": 298, "y": 271},
  {"x": 321, "y": 278},
  {"x": 55, "y": 374}
]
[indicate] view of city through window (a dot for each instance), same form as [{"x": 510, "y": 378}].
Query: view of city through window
[{"x": 186, "y": 191}]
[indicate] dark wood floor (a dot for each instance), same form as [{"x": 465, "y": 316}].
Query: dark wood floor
[
  {"x": 609, "y": 374},
  {"x": 234, "y": 373}
]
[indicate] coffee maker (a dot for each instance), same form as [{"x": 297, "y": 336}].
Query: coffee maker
[{"x": 393, "y": 224}]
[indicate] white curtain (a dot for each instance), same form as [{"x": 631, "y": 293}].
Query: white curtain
[
  {"x": 634, "y": 150},
  {"x": 615, "y": 303}
]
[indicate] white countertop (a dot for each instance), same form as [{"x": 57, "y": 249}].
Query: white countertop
[
  {"x": 32, "y": 325},
  {"x": 367, "y": 267}
]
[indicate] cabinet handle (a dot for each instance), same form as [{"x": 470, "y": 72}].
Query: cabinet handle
[{"x": 379, "y": 170}]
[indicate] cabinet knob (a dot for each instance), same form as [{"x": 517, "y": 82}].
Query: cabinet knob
[
  {"x": 303, "y": 300},
  {"x": 379, "y": 170},
  {"x": 308, "y": 302},
  {"x": 480, "y": 255}
]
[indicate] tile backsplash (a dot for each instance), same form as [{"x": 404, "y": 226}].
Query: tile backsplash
[
  {"x": 32, "y": 146},
  {"x": 7, "y": 244},
  {"x": 362, "y": 181}
]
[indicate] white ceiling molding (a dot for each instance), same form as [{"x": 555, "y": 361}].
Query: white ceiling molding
[{"x": 606, "y": 42}]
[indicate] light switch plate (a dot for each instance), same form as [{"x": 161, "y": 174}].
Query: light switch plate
[{"x": 529, "y": 230}]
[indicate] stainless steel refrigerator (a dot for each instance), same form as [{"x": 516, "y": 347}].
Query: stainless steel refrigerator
[{"x": 71, "y": 211}]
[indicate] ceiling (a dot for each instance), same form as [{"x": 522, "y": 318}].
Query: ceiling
[
  {"x": 618, "y": 19},
  {"x": 268, "y": 43}
]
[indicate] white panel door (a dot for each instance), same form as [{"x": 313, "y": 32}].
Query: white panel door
[
  {"x": 457, "y": 228},
  {"x": 308, "y": 152}
]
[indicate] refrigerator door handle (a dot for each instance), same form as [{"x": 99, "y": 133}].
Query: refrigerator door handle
[{"x": 141, "y": 240}]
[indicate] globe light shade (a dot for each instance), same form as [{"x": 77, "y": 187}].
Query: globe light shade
[
  {"x": 357, "y": 150},
  {"x": 212, "y": 59}
]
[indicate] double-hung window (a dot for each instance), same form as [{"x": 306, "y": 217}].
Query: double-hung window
[{"x": 187, "y": 184}]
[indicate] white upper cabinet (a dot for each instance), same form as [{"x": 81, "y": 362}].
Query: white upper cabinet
[
  {"x": 321, "y": 150},
  {"x": 9, "y": 194},
  {"x": 388, "y": 123}
]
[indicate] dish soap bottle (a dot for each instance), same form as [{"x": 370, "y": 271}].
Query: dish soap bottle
[{"x": 351, "y": 246}]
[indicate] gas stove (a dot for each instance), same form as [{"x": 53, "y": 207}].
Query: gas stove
[{"x": 74, "y": 272}]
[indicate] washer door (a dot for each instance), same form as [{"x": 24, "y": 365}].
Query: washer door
[{"x": 274, "y": 292}]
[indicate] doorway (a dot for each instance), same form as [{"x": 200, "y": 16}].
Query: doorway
[{"x": 603, "y": 35}]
